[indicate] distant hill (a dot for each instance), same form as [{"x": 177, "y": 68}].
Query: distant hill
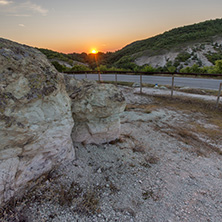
[
  {"x": 198, "y": 46},
  {"x": 75, "y": 61},
  {"x": 183, "y": 42}
]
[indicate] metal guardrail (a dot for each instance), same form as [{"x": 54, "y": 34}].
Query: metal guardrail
[
  {"x": 144, "y": 73},
  {"x": 173, "y": 74}
]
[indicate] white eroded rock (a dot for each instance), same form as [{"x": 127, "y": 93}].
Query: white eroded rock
[
  {"x": 95, "y": 109},
  {"x": 35, "y": 117}
]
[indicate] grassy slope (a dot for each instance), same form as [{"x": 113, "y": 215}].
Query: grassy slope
[{"x": 174, "y": 38}]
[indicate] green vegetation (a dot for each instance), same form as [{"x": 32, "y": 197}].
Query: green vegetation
[
  {"x": 198, "y": 35},
  {"x": 88, "y": 60},
  {"x": 181, "y": 57},
  {"x": 216, "y": 69},
  {"x": 213, "y": 57},
  {"x": 102, "y": 68},
  {"x": 174, "y": 38},
  {"x": 59, "y": 67},
  {"x": 79, "y": 67},
  {"x": 56, "y": 55}
]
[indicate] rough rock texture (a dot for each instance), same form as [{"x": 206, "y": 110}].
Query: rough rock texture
[
  {"x": 160, "y": 170},
  {"x": 35, "y": 117},
  {"x": 95, "y": 109},
  {"x": 197, "y": 51},
  {"x": 157, "y": 60}
]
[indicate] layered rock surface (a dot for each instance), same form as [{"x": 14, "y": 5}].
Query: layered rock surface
[
  {"x": 95, "y": 109},
  {"x": 35, "y": 117}
]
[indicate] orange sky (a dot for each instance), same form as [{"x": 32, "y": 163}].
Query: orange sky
[{"x": 79, "y": 26}]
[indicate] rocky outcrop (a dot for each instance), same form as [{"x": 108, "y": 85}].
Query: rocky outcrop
[
  {"x": 35, "y": 117},
  {"x": 156, "y": 60},
  {"x": 95, "y": 109},
  {"x": 199, "y": 53}
]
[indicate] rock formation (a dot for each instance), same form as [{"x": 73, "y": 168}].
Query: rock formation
[
  {"x": 35, "y": 117},
  {"x": 95, "y": 109}
]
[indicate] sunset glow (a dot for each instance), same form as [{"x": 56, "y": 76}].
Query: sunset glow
[
  {"x": 94, "y": 51},
  {"x": 108, "y": 25}
]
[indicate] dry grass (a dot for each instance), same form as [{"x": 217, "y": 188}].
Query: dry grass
[
  {"x": 89, "y": 204},
  {"x": 206, "y": 109},
  {"x": 217, "y": 121},
  {"x": 139, "y": 148},
  {"x": 67, "y": 196},
  {"x": 194, "y": 133},
  {"x": 152, "y": 159},
  {"x": 214, "y": 133},
  {"x": 131, "y": 143},
  {"x": 197, "y": 134},
  {"x": 136, "y": 145},
  {"x": 190, "y": 105},
  {"x": 130, "y": 84},
  {"x": 199, "y": 91},
  {"x": 145, "y": 108},
  {"x": 82, "y": 200},
  {"x": 191, "y": 138},
  {"x": 147, "y": 194}
]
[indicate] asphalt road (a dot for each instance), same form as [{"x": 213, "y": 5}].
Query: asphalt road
[{"x": 161, "y": 80}]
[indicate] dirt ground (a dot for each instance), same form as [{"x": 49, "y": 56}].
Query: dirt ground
[{"x": 166, "y": 166}]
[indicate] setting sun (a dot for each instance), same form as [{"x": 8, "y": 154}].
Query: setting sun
[{"x": 94, "y": 51}]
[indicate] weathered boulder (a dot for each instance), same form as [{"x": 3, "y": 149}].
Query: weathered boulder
[
  {"x": 35, "y": 117},
  {"x": 95, "y": 109}
]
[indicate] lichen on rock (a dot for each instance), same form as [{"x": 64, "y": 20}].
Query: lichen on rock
[
  {"x": 35, "y": 117},
  {"x": 96, "y": 109}
]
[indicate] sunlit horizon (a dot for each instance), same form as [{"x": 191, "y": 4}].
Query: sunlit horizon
[
  {"x": 94, "y": 51},
  {"x": 77, "y": 26}
]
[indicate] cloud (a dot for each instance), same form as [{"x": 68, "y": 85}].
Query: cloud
[
  {"x": 24, "y": 9},
  {"x": 21, "y": 25},
  {"x": 5, "y": 2},
  {"x": 29, "y": 6},
  {"x": 21, "y": 15}
]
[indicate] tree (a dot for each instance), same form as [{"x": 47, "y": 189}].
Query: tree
[
  {"x": 171, "y": 68},
  {"x": 218, "y": 66},
  {"x": 59, "y": 67},
  {"x": 79, "y": 67}
]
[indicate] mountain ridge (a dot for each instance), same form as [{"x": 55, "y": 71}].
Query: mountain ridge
[{"x": 198, "y": 44}]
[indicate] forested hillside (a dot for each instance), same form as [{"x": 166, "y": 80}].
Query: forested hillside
[
  {"x": 174, "y": 38},
  {"x": 192, "y": 48}
]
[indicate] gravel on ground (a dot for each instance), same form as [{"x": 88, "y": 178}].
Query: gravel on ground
[{"x": 165, "y": 167}]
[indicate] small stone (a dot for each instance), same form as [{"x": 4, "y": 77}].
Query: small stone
[
  {"x": 99, "y": 170},
  {"x": 163, "y": 87},
  {"x": 136, "y": 85}
]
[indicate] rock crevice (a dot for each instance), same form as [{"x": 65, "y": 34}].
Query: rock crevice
[
  {"x": 95, "y": 110},
  {"x": 35, "y": 117}
]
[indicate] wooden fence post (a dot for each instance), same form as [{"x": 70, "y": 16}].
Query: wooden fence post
[
  {"x": 99, "y": 77},
  {"x": 172, "y": 86},
  {"x": 141, "y": 82},
  {"x": 86, "y": 75},
  {"x": 218, "y": 97}
]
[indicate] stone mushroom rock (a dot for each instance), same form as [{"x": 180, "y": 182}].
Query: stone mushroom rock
[
  {"x": 96, "y": 109},
  {"x": 35, "y": 118}
]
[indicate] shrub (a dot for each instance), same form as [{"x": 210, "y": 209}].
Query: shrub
[{"x": 79, "y": 67}]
